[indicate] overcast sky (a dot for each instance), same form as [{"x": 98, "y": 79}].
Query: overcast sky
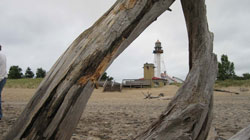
[{"x": 35, "y": 33}]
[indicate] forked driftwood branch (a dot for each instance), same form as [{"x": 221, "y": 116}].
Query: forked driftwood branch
[
  {"x": 189, "y": 114},
  {"x": 150, "y": 96}
]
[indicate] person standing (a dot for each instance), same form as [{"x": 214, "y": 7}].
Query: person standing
[{"x": 3, "y": 77}]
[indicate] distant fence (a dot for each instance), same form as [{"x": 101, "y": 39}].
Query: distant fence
[
  {"x": 111, "y": 86},
  {"x": 136, "y": 83}
]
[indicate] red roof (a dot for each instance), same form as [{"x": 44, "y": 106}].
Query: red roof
[{"x": 154, "y": 78}]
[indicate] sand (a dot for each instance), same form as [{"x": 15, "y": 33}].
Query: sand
[{"x": 123, "y": 115}]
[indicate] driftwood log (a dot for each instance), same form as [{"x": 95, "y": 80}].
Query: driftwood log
[
  {"x": 189, "y": 114},
  {"x": 226, "y": 91},
  {"x": 55, "y": 109},
  {"x": 150, "y": 96},
  {"x": 244, "y": 134}
]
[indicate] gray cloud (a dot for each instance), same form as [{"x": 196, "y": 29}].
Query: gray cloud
[{"x": 36, "y": 33}]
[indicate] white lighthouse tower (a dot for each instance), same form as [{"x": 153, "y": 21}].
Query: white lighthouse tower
[{"x": 157, "y": 58}]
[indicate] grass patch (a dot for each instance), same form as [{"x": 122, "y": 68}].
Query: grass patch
[
  {"x": 23, "y": 83},
  {"x": 235, "y": 83},
  {"x": 176, "y": 84},
  {"x": 226, "y": 83},
  {"x": 34, "y": 83}
]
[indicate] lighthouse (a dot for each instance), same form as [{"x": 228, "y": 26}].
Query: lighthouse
[{"x": 157, "y": 58}]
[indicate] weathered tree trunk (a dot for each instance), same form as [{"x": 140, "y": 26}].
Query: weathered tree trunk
[
  {"x": 244, "y": 134},
  {"x": 55, "y": 109},
  {"x": 189, "y": 115}
]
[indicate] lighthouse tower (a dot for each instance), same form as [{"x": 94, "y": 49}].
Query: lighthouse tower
[{"x": 157, "y": 58}]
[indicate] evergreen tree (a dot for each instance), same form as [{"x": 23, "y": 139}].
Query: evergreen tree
[
  {"x": 40, "y": 73},
  {"x": 15, "y": 72},
  {"x": 246, "y": 76},
  {"x": 106, "y": 77},
  {"x": 28, "y": 73},
  {"x": 226, "y": 69},
  {"x": 110, "y": 78}
]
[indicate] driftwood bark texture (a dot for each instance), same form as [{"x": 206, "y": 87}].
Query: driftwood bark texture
[
  {"x": 55, "y": 109},
  {"x": 189, "y": 115},
  {"x": 244, "y": 134}
]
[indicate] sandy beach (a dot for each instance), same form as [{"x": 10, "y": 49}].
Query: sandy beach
[{"x": 123, "y": 115}]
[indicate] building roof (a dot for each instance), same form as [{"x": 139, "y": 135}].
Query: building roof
[{"x": 154, "y": 78}]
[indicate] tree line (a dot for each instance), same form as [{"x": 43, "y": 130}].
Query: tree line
[
  {"x": 15, "y": 72},
  {"x": 105, "y": 77},
  {"x": 226, "y": 70}
]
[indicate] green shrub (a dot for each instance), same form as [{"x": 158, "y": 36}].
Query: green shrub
[{"x": 176, "y": 84}]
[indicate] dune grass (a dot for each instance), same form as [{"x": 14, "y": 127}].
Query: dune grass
[
  {"x": 23, "y": 83},
  {"x": 227, "y": 83},
  {"x": 34, "y": 83},
  {"x": 235, "y": 83},
  {"x": 176, "y": 84}
]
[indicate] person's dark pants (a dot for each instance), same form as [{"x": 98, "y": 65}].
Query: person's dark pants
[{"x": 2, "y": 83}]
